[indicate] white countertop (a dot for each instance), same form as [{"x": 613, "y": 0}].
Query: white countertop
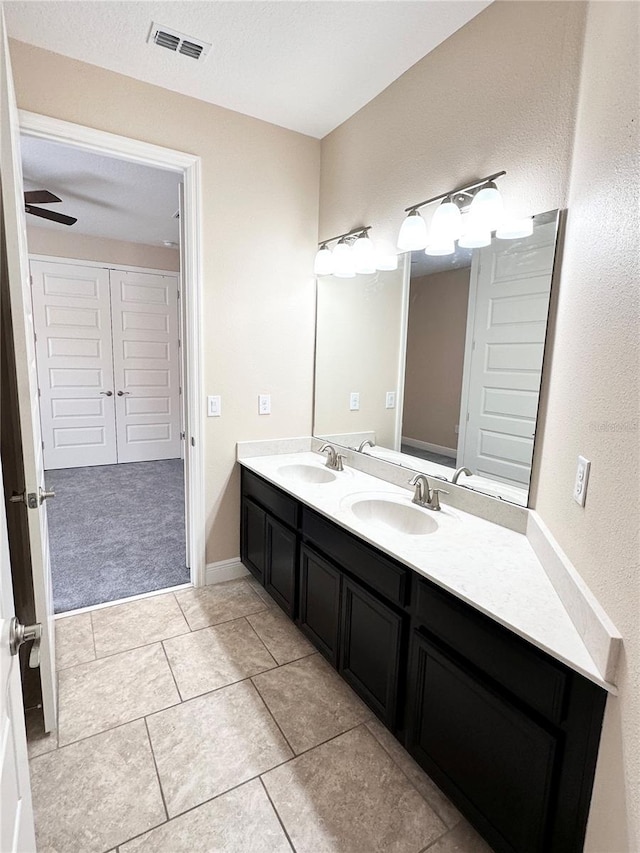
[{"x": 488, "y": 566}]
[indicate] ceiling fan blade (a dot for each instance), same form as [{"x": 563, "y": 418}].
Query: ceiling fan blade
[
  {"x": 40, "y": 197},
  {"x": 51, "y": 214}
]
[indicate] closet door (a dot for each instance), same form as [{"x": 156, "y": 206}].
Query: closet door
[
  {"x": 72, "y": 320},
  {"x": 146, "y": 365}
]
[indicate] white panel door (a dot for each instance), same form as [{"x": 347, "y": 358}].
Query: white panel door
[
  {"x": 146, "y": 364},
  {"x": 512, "y": 285},
  {"x": 72, "y": 315},
  {"x": 17, "y": 273}
]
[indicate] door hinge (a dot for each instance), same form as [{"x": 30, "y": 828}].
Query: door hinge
[
  {"x": 179, "y": 390},
  {"x": 31, "y": 280},
  {"x": 182, "y": 436},
  {"x": 39, "y": 393},
  {"x": 467, "y": 416},
  {"x": 179, "y": 342},
  {"x": 42, "y": 444},
  {"x": 193, "y": 441}
]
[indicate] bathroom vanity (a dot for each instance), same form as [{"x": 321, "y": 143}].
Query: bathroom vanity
[{"x": 451, "y": 633}]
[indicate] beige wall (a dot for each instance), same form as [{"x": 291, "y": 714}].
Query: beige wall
[
  {"x": 260, "y": 207},
  {"x": 435, "y": 356},
  {"x": 68, "y": 244},
  {"x": 593, "y": 405},
  {"x": 358, "y": 349},
  {"x": 503, "y": 93}
]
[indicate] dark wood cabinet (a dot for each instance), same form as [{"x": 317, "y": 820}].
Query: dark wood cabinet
[
  {"x": 371, "y": 638},
  {"x": 509, "y": 733},
  {"x": 493, "y": 759},
  {"x": 281, "y": 564},
  {"x": 320, "y": 588},
  {"x": 252, "y": 538}
]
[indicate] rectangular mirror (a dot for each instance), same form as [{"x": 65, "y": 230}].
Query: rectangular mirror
[{"x": 439, "y": 363}]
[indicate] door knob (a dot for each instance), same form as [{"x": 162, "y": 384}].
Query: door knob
[
  {"x": 107, "y": 393},
  {"x": 123, "y": 393},
  {"x": 19, "y": 634},
  {"x": 46, "y": 493}
]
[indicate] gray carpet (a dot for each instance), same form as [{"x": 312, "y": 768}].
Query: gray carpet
[{"x": 116, "y": 531}]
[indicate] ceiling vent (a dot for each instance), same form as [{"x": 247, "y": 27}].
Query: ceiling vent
[{"x": 178, "y": 42}]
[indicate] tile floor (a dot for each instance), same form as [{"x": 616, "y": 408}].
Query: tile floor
[{"x": 204, "y": 721}]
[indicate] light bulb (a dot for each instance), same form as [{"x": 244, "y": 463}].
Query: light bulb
[
  {"x": 487, "y": 208},
  {"x": 475, "y": 238},
  {"x": 512, "y": 229},
  {"x": 323, "y": 264},
  {"x": 364, "y": 255},
  {"x": 343, "y": 260},
  {"x": 446, "y": 225},
  {"x": 440, "y": 249},
  {"x": 413, "y": 233},
  {"x": 386, "y": 261}
]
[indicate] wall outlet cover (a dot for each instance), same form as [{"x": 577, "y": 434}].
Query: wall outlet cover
[
  {"x": 582, "y": 479},
  {"x": 214, "y": 407},
  {"x": 264, "y": 404},
  {"x": 391, "y": 400},
  {"x": 354, "y": 401}
]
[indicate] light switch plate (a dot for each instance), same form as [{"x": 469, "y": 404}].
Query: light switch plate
[
  {"x": 264, "y": 404},
  {"x": 354, "y": 401},
  {"x": 582, "y": 479},
  {"x": 214, "y": 407},
  {"x": 391, "y": 400}
]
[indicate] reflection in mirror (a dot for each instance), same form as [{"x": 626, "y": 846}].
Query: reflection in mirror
[{"x": 464, "y": 360}]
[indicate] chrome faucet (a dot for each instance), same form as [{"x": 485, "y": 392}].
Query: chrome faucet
[
  {"x": 424, "y": 495},
  {"x": 459, "y": 471},
  {"x": 364, "y": 444},
  {"x": 334, "y": 459}
]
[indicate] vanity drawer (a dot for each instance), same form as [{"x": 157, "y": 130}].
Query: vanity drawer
[
  {"x": 516, "y": 665},
  {"x": 271, "y": 498},
  {"x": 387, "y": 578}
]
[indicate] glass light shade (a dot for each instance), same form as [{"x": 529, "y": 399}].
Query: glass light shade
[
  {"x": 413, "y": 233},
  {"x": 386, "y": 261},
  {"x": 364, "y": 255},
  {"x": 446, "y": 225},
  {"x": 441, "y": 248},
  {"x": 343, "y": 261},
  {"x": 487, "y": 209},
  {"x": 323, "y": 264},
  {"x": 512, "y": 229},
  {"x": 475, "y": 236}
]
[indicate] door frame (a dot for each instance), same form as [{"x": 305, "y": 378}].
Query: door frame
[{"x": 189, "y": 166}]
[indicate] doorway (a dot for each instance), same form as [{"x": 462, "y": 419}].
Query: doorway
[{"x": 126, "y": 520}]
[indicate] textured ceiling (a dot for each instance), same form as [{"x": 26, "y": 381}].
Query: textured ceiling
[
  {"x": 307, "y": 66},
  {"x": 111, "y": 198}
]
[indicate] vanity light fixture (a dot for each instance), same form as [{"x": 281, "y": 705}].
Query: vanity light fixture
[
  {"x": 483, "y": 209},
  {"x": 354, "y": 254}
]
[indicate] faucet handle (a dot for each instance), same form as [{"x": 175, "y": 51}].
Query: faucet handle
[
  {"x": 340, "y": 457},
  {"x": 434, "y": 497}
]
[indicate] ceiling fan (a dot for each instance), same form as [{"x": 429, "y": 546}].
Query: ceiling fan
[{"x": 45, "y": 197}]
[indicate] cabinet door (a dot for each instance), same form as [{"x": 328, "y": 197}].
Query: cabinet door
[
  {"x": 252, "y": 545},
  {"x": 370, "y": 649},
  {"x": 320, "y": 603},
  {"x": 280, "y": 565},
  {"x": 492, "y": 759}
]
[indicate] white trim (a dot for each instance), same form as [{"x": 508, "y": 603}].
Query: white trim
[
  {"x": 468, "y": 352},
  {"x": 432, "y": 448},
  {"x": 225, "y": 570},
  {"x": 56, "y": 259},
  {"x": 402, "y": 352},
  {"x": 137, "y": 151},
  {"x": 123, "y": 600}
]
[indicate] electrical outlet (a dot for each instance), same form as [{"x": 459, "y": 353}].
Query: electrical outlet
[
  {"x": 582, "y": 479},
  {"x": 214, "y": 407},
  {"x": 264, "y": 404},
  {"x": 391, "y": 400},
  {"x": 354, "y": 401}
]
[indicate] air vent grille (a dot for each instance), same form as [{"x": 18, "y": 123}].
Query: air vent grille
[{"x": 178, "y": 42}]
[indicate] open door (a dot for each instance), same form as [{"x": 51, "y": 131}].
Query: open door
[{"x": 31, "y": 500}]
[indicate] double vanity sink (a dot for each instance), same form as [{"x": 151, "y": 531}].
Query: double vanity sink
[
  {"x": 448, "y": 627},
  {"x": 395, "y": 512}
]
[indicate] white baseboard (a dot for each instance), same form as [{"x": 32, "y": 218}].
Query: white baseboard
[
  {"x": 225, "y": 570},
  {"x": 432, "y": 448}
]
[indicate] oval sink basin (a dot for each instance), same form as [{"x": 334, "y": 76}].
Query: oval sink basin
[
  {"x": 306, "y": 473},
  {"x": 401, "y": 517}
]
